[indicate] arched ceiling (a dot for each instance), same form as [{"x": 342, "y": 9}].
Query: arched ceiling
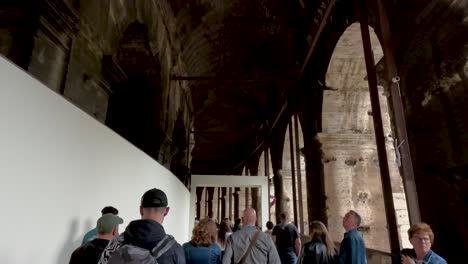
[{"x": 243, "y": 60}]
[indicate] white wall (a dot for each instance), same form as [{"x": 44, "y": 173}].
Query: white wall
[{"x": 59, "y": 167}]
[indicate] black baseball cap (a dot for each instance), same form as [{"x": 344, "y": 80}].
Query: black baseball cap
[{"x": 154, "y": 198}]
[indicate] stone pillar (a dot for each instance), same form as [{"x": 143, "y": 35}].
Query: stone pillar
[
  {"x": 247, "y": 197},
  {"x": 353, "y": 183},
  {"x": 210, "y": 192},
  {"x": 229, "y": 215},
  {"x": 315, "y": 179},
  {"x": 276, "y": 151},
  {"x": 223, "y": 203},
  {"x": 236, "y": 202},
  {"x": 252, "y": 167},
  {"x": 199, "y": 191}
]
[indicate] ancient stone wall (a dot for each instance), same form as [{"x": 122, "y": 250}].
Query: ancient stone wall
[
  {"x": 80, "y": 50},
  {"x": 348, "y": 143},
  {"x": 102, "y": 29}
]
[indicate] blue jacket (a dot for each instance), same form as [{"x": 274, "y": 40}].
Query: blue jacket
[
  {"x": 352, "y": 249},
  {"x": 430, "y": 258},
  {"x": 202, "y": 255}
]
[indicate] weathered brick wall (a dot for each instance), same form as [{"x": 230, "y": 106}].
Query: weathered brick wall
[
  {"x": 48, "y": 61},
  {"x": 75, "y": 48},
  {"x": 102, "y": 25}
]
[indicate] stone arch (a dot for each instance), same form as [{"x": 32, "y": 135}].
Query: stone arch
[
  {"x": 351, "y": 167},
  {"x": 135, "y": 106},
  {"x": 310, "y": 99}
]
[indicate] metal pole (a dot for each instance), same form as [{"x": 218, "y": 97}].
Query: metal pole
[
  {"x": 267, "y": 174},
  {"x": 378, "y": 127},
  {"x": 293, "y": 170},
  {"x": 299, "y": 176},
  {"x": 407, "y": 172},
  {"x": 206, "y": 203},
  {"x": 218, "y": 213},
  {"x": 316, "y": 37},
  {"x": 230, "y": 204}
]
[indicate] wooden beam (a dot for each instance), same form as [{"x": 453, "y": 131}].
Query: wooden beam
[
  {"x": 399, "y": 116},
  {"x": 316, "y": 37}
]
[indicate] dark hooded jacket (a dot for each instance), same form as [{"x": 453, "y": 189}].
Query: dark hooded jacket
[
  {"x": 145, "y": 234},
  {"x": 90, "y": 252}
]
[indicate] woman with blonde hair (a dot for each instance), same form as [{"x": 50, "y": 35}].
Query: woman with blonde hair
[
  {"x": 203, "y": 249},
  {"x": 320, "y": 249}
]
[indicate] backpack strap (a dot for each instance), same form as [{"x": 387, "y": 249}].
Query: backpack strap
[
  {"x": 252, "y": 243},
  {"x": 163, "y": 246}
]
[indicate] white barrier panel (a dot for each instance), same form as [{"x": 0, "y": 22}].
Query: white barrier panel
[{"x": 59, "y": 168}]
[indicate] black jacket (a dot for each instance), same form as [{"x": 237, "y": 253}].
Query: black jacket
[
  {"x": 145, "y": 234},
  {"x": 315, "y": 252},
  {"x": 90, "y": 252}
]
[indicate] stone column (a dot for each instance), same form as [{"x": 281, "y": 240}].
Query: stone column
[
  {"x": 210, "y": 192},
  {"x": 236, "y": 202},
  {"x": 199, "y": 191},
  {"x": 223, "y": 203}
]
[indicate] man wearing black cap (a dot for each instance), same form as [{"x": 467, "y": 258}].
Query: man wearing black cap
[
  {"x": 146, "y": 233},
  {"x": 107, "y": 228}
]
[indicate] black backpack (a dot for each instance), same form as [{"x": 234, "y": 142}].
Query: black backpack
[{"x": 130, "y": 254}]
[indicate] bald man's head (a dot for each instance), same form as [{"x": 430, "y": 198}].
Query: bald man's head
[{"x": 249, "y": 216}]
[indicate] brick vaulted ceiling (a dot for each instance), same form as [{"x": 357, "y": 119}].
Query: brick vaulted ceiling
[{"x": 242, "y": 59}]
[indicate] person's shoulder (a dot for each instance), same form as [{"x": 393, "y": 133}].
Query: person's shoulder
[
  {"x": 88, "y": 246},
  {"x": 292, "y": 227},
  {"x": 79, "y": 250},
  {"x": 176, "y": 244},
  {"x": 170, "y": 240},
  {"x": 354, "y": 234},
  {"x": 262, "y": 234},
  {"x": 276, "y": 229},
  {"x": 308, "y": 246},
  {"x": 187, "y": 244},
  {"x": 77, "y": 255},
  {"x": 436, "y": 259},
  {"x": 177, "y": 249},
  {"x": 215, "y": 246},
  {"x": 83, "y": 250}
]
